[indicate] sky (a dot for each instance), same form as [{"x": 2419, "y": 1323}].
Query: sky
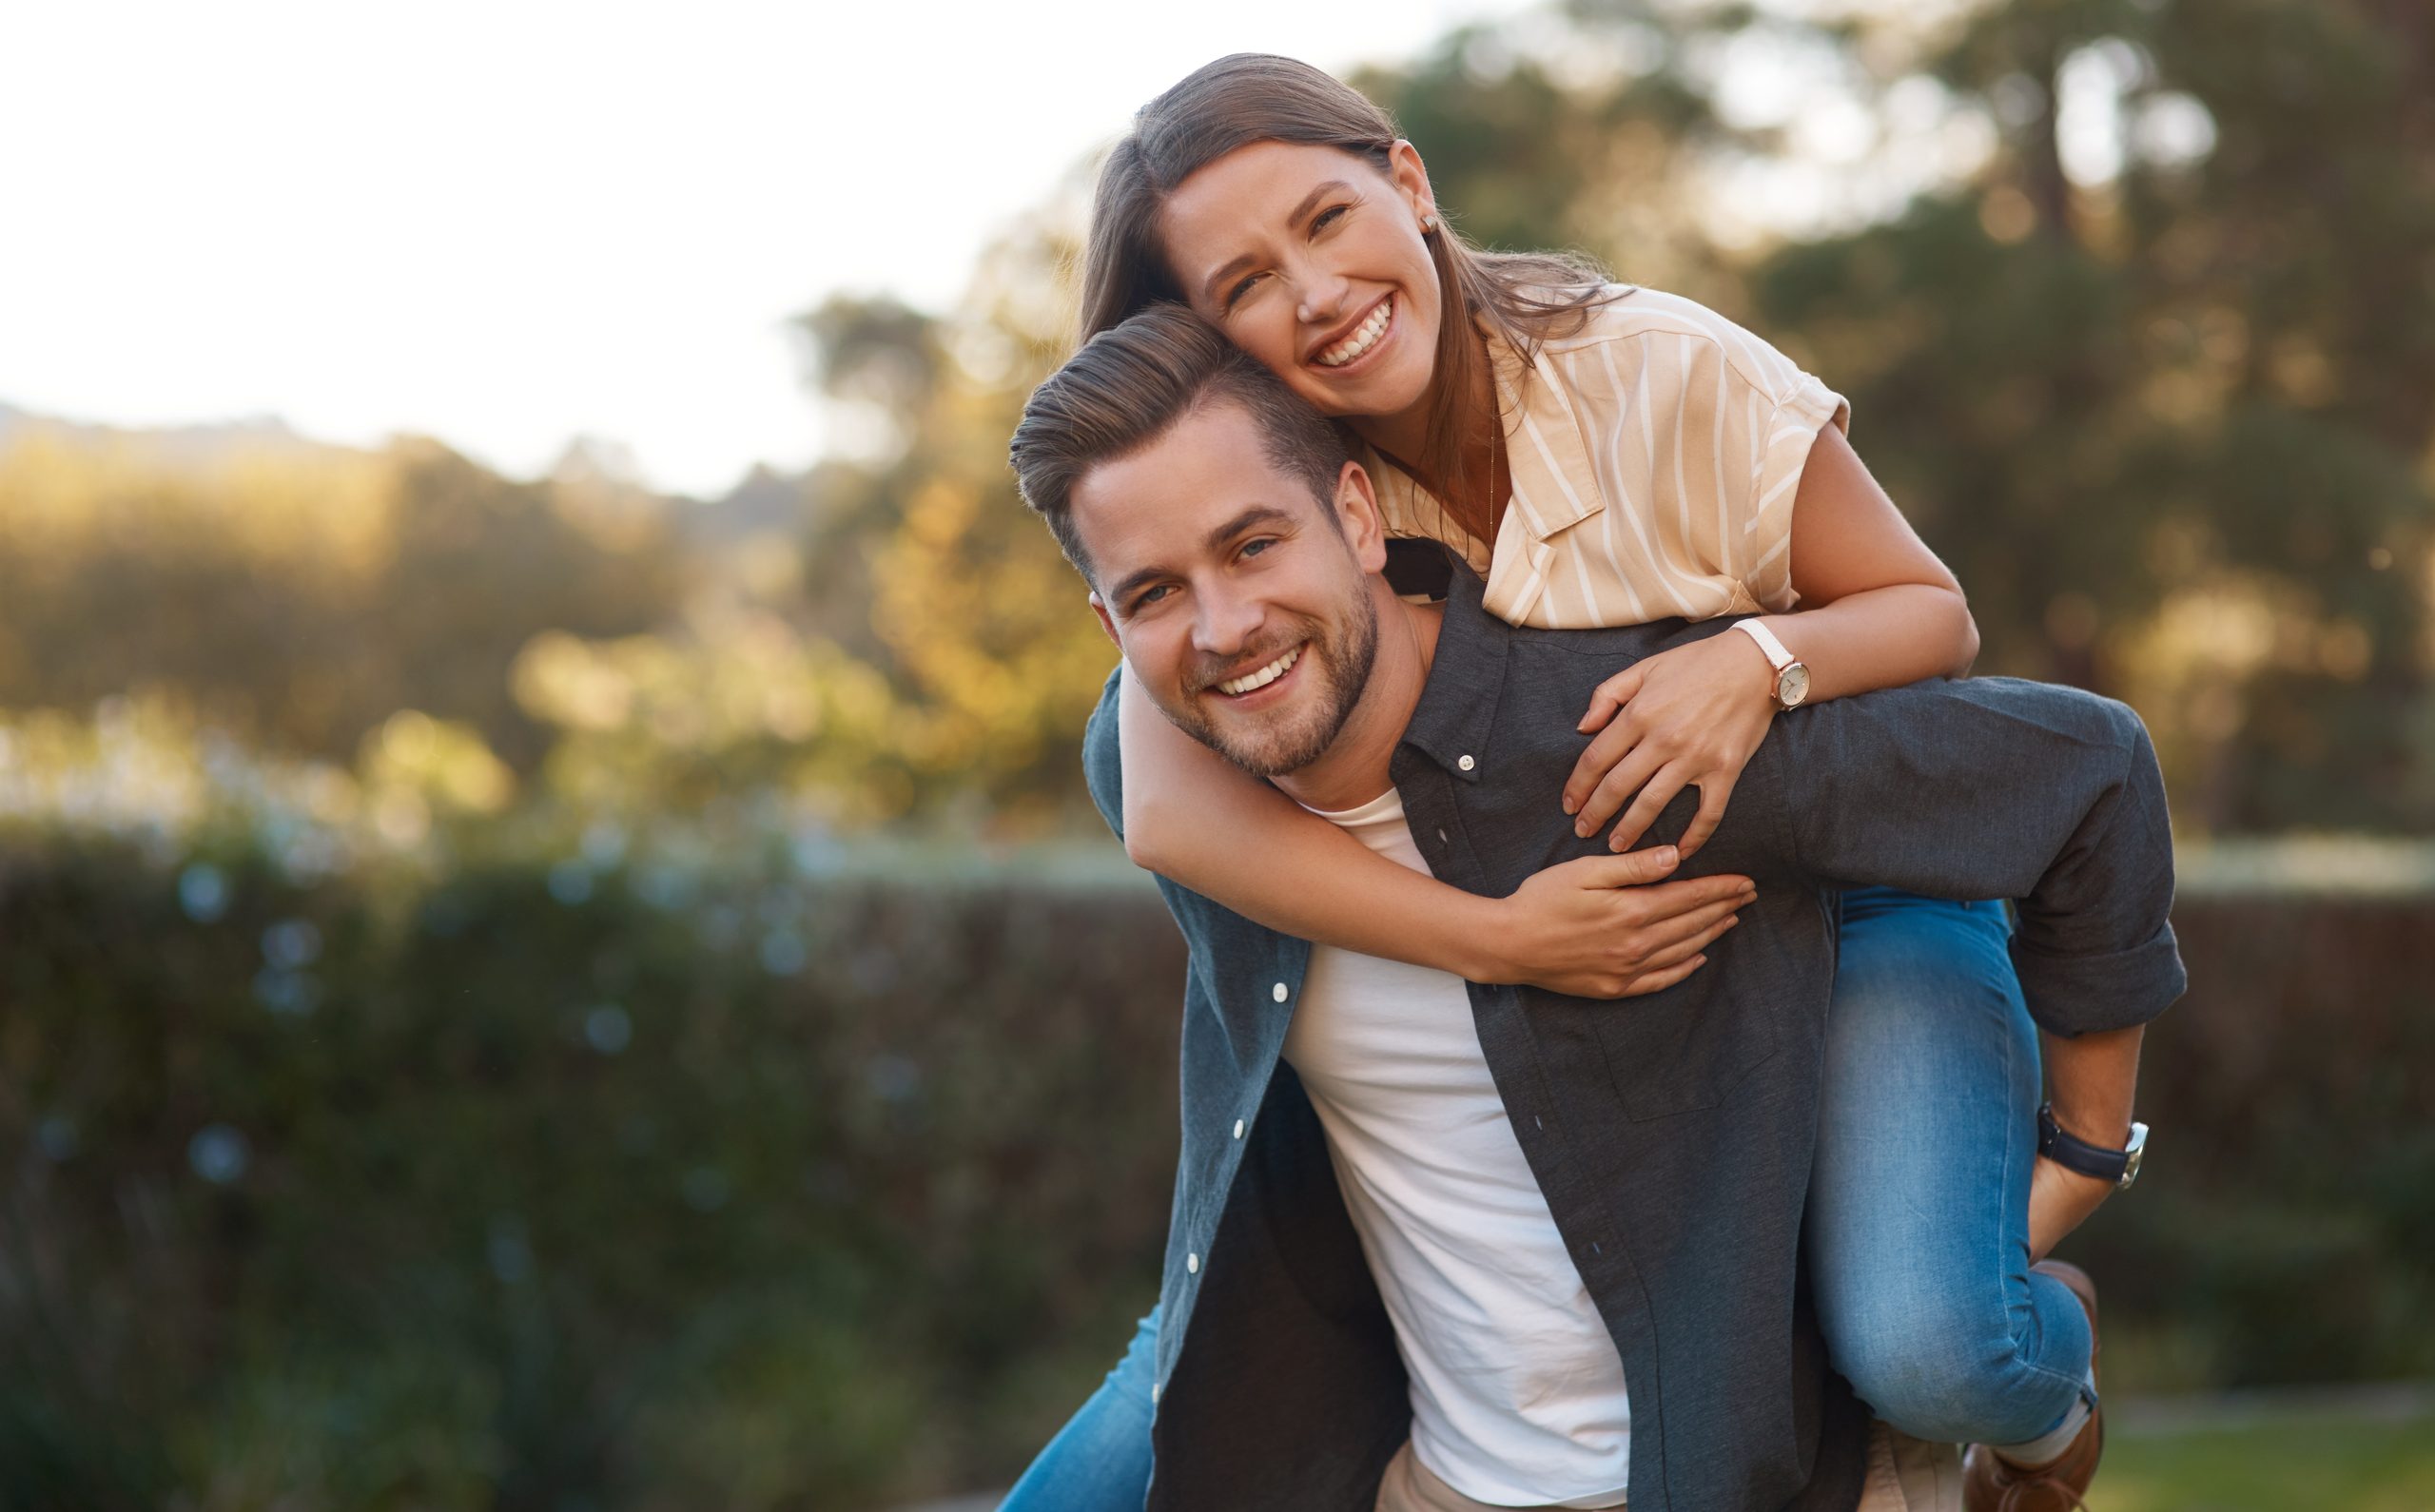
[{"x": 509, "y": 225}]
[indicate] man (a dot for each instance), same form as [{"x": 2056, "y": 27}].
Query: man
[{"x": 1551, "y": 1242}]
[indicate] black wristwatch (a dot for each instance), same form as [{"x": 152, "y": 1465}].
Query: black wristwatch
[{"x": 2121, "y": 1167}]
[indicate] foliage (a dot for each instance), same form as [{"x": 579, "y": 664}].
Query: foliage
[
  {"x": 2177, "y": 440},
  {"x": 297, "y": 594},
  {"x": 653, "y": 1167},
  {"x": 2177, "y": 435},
  {"x": 596, "y": 1175}
]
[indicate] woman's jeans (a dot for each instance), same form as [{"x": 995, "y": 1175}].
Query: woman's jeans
[{"x": 1918, "y": 1226}]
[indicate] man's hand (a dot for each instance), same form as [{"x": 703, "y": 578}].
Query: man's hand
[
  {"x": 1612, "y": 927},
  {"x": 2060, "y": 1201},
  {"x": 1690, "y": 717}
]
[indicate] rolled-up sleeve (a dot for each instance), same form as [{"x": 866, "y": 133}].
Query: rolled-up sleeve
[{"x": 2002, "y": 789}]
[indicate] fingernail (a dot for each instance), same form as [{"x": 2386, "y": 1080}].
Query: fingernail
[
  {"x": 1569, "y": 807},
  {"x": 1665, "y": 855},
  {"x": 1699, "y": 960},
  {"x": 1731, "y": 920},
  {"x": 1581, "y": 831}
]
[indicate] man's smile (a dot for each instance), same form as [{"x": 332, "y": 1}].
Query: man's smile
[{"x": 1237, "y": 690}]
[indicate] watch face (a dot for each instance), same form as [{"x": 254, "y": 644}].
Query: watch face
[{"x": 1792, "y": 686}]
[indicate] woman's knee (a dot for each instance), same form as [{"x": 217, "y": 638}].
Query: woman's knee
[{"x": 1946, "y": 1371}]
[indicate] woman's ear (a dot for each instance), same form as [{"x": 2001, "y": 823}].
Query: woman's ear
[{"x": 1411, "y": 178}]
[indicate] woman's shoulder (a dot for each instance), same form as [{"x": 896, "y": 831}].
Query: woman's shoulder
[{"x": 1636, "y": 313}]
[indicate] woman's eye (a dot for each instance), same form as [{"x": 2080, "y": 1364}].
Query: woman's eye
[
  {"x": 1326, "y": 217},
  {"x": 1235, "y": 295}
]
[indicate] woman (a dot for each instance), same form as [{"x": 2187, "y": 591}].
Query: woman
[{"x": 1599, "y": 456}]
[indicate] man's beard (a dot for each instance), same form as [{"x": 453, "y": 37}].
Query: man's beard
[{"x": 1340, "y": 658}]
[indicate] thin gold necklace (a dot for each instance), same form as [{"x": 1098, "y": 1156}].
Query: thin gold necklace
[{"x": 1495, "y": 500}]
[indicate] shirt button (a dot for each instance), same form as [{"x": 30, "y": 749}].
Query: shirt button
[
  {"x": 1239, "y": 1128},
  {"x": 1464, "y": 762},
  {"x": 1277, "y": 992},
  {"x": 1154, "y": 1393},
  {"x": 1192, "y": 1265}
]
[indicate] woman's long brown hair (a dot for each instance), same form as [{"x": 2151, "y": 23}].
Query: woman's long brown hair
[{"x": 1525, "y": 297}]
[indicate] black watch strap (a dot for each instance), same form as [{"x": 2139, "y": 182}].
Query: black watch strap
[{"x": 2121, "y": 1167}]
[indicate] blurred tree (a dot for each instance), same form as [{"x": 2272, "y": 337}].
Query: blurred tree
[
  {"x": 2177, "y": 435},
  {"x": 972, "y": 614},
  {"x": 2174, "y": 437},
  {"x": 300, "y": 594}
]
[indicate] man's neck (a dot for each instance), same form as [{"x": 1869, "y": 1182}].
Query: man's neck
[{"x": 1355, "y": 768}]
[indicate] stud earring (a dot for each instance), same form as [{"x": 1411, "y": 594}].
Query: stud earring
[{"x": 1427, "y": 224}]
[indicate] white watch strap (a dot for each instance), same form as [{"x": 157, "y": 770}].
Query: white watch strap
[{"x": 1773, "y": 648}]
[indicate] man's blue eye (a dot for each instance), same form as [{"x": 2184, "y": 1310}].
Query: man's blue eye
[{"x": 1253, "y": 548}]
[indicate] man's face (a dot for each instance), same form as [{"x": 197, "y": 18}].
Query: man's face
[{"x": 1242, "y": 607}]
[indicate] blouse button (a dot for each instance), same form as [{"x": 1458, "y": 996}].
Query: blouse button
[
  {"x": 1464, "y": 761},
  {"x": 1277, "y": 992}
]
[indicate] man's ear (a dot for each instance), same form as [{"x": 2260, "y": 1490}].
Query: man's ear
[
  {"x": 1410, "y": 178},
  {"x": 1099, "y": 607},
  {"x": 1357, "y": 517}
]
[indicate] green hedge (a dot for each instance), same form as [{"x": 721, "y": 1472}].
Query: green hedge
[{"x": 590, "y": 1183}]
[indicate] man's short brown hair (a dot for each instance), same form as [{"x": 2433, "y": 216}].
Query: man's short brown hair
[{"x": 1133, "y": 381}]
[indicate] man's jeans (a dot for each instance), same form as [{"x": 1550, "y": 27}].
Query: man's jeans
[
  {"x": 1099, "y": 1460},
  {"x": 1918, "y": 1226}
]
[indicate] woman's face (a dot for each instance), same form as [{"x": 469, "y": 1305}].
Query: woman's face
[{"x": 1312, "y": 262}]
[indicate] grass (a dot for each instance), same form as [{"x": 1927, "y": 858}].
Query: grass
[{"x": 2295, "y": 1464}]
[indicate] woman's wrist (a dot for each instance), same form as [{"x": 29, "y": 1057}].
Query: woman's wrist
[
  {"x": 1761, "y": 681},
  {"x": 1477, "y": 937}
]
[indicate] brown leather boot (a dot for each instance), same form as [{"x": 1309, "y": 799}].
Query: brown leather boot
[{"x": 1993, "y": 1483}]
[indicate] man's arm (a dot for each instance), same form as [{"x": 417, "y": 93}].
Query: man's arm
[
  {"x": 1102, "y": 762},
  {"x": 2049, "y": 796},
  {"x": 2002, "y": 789},
  {"x": 2096, "y": 1078}
]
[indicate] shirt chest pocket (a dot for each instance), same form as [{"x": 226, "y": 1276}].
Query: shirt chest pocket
[{"x": 1681, "y": 1050}]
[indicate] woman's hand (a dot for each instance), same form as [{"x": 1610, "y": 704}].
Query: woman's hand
[
  {"x": 2060, "y": 1201},
  {"x": 1687, "y": 717},
  {"x": 1610, "y": 926}
]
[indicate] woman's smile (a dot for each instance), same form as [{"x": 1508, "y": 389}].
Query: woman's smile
[{"x": 1350, "y": 349}]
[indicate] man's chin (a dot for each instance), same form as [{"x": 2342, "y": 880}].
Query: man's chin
[{"x": 1266, "y": 743}]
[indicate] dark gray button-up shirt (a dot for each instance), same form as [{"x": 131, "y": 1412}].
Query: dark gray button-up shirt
[{"x": 1672, "y": 1134}]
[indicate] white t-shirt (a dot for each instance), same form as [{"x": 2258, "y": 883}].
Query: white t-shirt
[{"x": 1517, "y": 1392}]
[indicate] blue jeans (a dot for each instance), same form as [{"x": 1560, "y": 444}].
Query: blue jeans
[
  {"x": 1918, "y": 1227},
  {"x": 1100, "y": 1461}
]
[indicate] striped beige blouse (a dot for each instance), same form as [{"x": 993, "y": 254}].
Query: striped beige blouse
[{"x": 1655, "y": 454}]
